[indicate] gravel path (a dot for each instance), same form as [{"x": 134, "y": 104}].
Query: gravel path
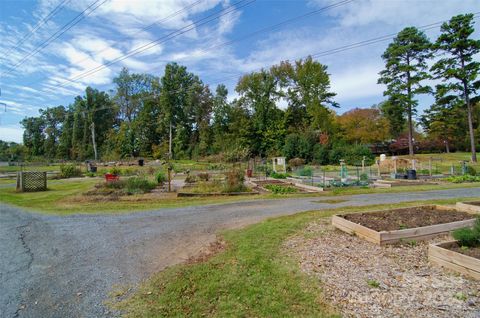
[
  {"x": 366, "y": 280},
  {"x": 53, "y": 266}
]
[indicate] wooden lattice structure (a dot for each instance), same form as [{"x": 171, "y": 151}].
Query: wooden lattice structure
[{"x": 31, "y": 181}]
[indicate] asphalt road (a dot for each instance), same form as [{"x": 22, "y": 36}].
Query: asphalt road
[{"x": 65, "y": 266}]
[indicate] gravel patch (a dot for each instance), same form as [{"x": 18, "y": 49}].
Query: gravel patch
[{"x": 362, "y": 279}]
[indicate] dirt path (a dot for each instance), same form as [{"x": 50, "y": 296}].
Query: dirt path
[{"x": 54, "y": 266}]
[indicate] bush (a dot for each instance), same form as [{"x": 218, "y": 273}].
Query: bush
[
  {"x": 160, "y": 177},
  {"x": 136, "y": 185},
  {"x": 471, "y": 171},
  {"x": 277, "y": 175},
  {"x": 118, "y": 184},
  {"x": 305, "y": 172},
  {"x": 70, "y": 171},
  {"x": 234, "y": 182},
  {"x": 115, "y": 171},
  {"x": 469, "y": 237},
  {"x": 278, "y": 189}
]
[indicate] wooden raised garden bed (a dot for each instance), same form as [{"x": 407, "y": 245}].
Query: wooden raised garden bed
[
  {"x": 473, "y": 207},
  {"x": 407, "y": 224},
  {"x": 447, "y": 254}
]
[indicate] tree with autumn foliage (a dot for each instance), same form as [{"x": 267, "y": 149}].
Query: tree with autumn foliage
[{"x": 364, "y": 126}]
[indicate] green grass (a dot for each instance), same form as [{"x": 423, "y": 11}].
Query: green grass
[
  {"x": 252, "y": 277},
  {"x": 64, "y": 197}
]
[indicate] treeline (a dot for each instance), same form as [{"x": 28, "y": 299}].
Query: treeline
[{"x": 178, "y": 115}]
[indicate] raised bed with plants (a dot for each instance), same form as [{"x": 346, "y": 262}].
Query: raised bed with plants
[
  {"x": 461, "y": 255},
  {"x": 406, "y": 224}
]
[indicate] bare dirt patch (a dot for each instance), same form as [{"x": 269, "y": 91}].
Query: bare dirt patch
[
  {"x": 367, "y": 280},
  {"x": 399, "y": 219}
]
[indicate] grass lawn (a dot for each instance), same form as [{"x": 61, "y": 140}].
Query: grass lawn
[
  {"x": 251, "y": 277},
  {"x": 65, "y": 197}
]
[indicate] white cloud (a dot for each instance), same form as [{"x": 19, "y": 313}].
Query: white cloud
[{"x": 11, "y": 133}]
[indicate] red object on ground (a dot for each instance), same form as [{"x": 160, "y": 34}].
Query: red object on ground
[{"x": 111, "y": 177}]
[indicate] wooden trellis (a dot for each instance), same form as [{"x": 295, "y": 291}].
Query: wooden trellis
[{"x": 30, "y": 181}]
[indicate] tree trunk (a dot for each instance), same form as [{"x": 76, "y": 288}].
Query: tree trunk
[
  {"x": 470, "y": 122},
  {"x": 92, "y": 127},
  {"x": 409, "y": 110},
  {"x": 447, "y": 146},
  {"x": 170, "y": 142}
]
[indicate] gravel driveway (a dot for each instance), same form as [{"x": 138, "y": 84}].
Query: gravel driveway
[{"x": 52, "y": 266}]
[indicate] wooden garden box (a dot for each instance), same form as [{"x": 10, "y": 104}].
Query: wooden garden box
[
  {"x": 468, "y": 207},
  {"x": 440, "y": 254},
  {"x": 390, "y": 237}
]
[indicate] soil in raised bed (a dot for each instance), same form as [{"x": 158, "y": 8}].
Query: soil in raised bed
[
  {"x": 400, "y": 219},
  {"x": 471, "y": 251}
]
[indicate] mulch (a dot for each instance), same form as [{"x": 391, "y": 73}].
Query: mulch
[{"x": 399, "y": 219}]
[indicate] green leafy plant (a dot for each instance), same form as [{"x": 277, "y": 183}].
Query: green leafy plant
[
  {"x": 373, "y": 283},
  {"x": 279, "y": 189},
  {"x": 70, "y": 171},
  {"x": 462, "y": 179},
  {"x": 204, "y": 176},
  {"x": 277, "y": 175},
  {"x": 471, "y": 171},
  {"x": 305, "y": 172},
  {"x": 160, "y": 177},
  {"x": 469, "y": 237},
  {"x": 139, "y": 185},
  {"x": 115, "y": 171},
  {"x": 460, "y": 296}
]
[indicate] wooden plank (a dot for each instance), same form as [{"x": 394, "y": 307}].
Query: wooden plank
[
  {"x": 465, "y": 207},
  {"x": 442, "y": 251},
  {"x": 455, "y": 267},
  {"x": 351, "y": 227},
  {"x": 425, "y": 230}
]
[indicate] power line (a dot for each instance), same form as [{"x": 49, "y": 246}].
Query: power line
[
  {"x": 91, "y": 8},
  {"x": 262, "y": 30},
  {"x": 39, "y": 24},
  {"x": 318, "y": 54},
  {"x": 174, "y": 14},
  {"x": 163, "y": 39}
]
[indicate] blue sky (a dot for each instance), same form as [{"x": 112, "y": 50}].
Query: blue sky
[{"x": 55, "y": 75}]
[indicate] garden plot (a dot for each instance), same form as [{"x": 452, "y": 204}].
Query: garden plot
[
  {"x": 368, "y": 280},
  {"x": 392, "y": 226},
  {"x": 451, "y": 255},
  {"x": 279, "y": 186}
]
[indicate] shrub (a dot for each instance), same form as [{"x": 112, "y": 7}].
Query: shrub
[
  {"x": 234, "y": 182},
  {"x": 115, "y": 171},
  {"x": 469, "y": 237},
  {"x": 277, "y": 175},
  {"x": 70, "y": 171},
  {"x": 137, "y": 185},
  {"x": 363, "y": 177},
  {"x": 90, "y": 174},
  {"x": 278, "y": 189},
  {"x": 305, "y": 172},
  {"x": 160, "y": 177},
  {"x": 471, "y": 171}
]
